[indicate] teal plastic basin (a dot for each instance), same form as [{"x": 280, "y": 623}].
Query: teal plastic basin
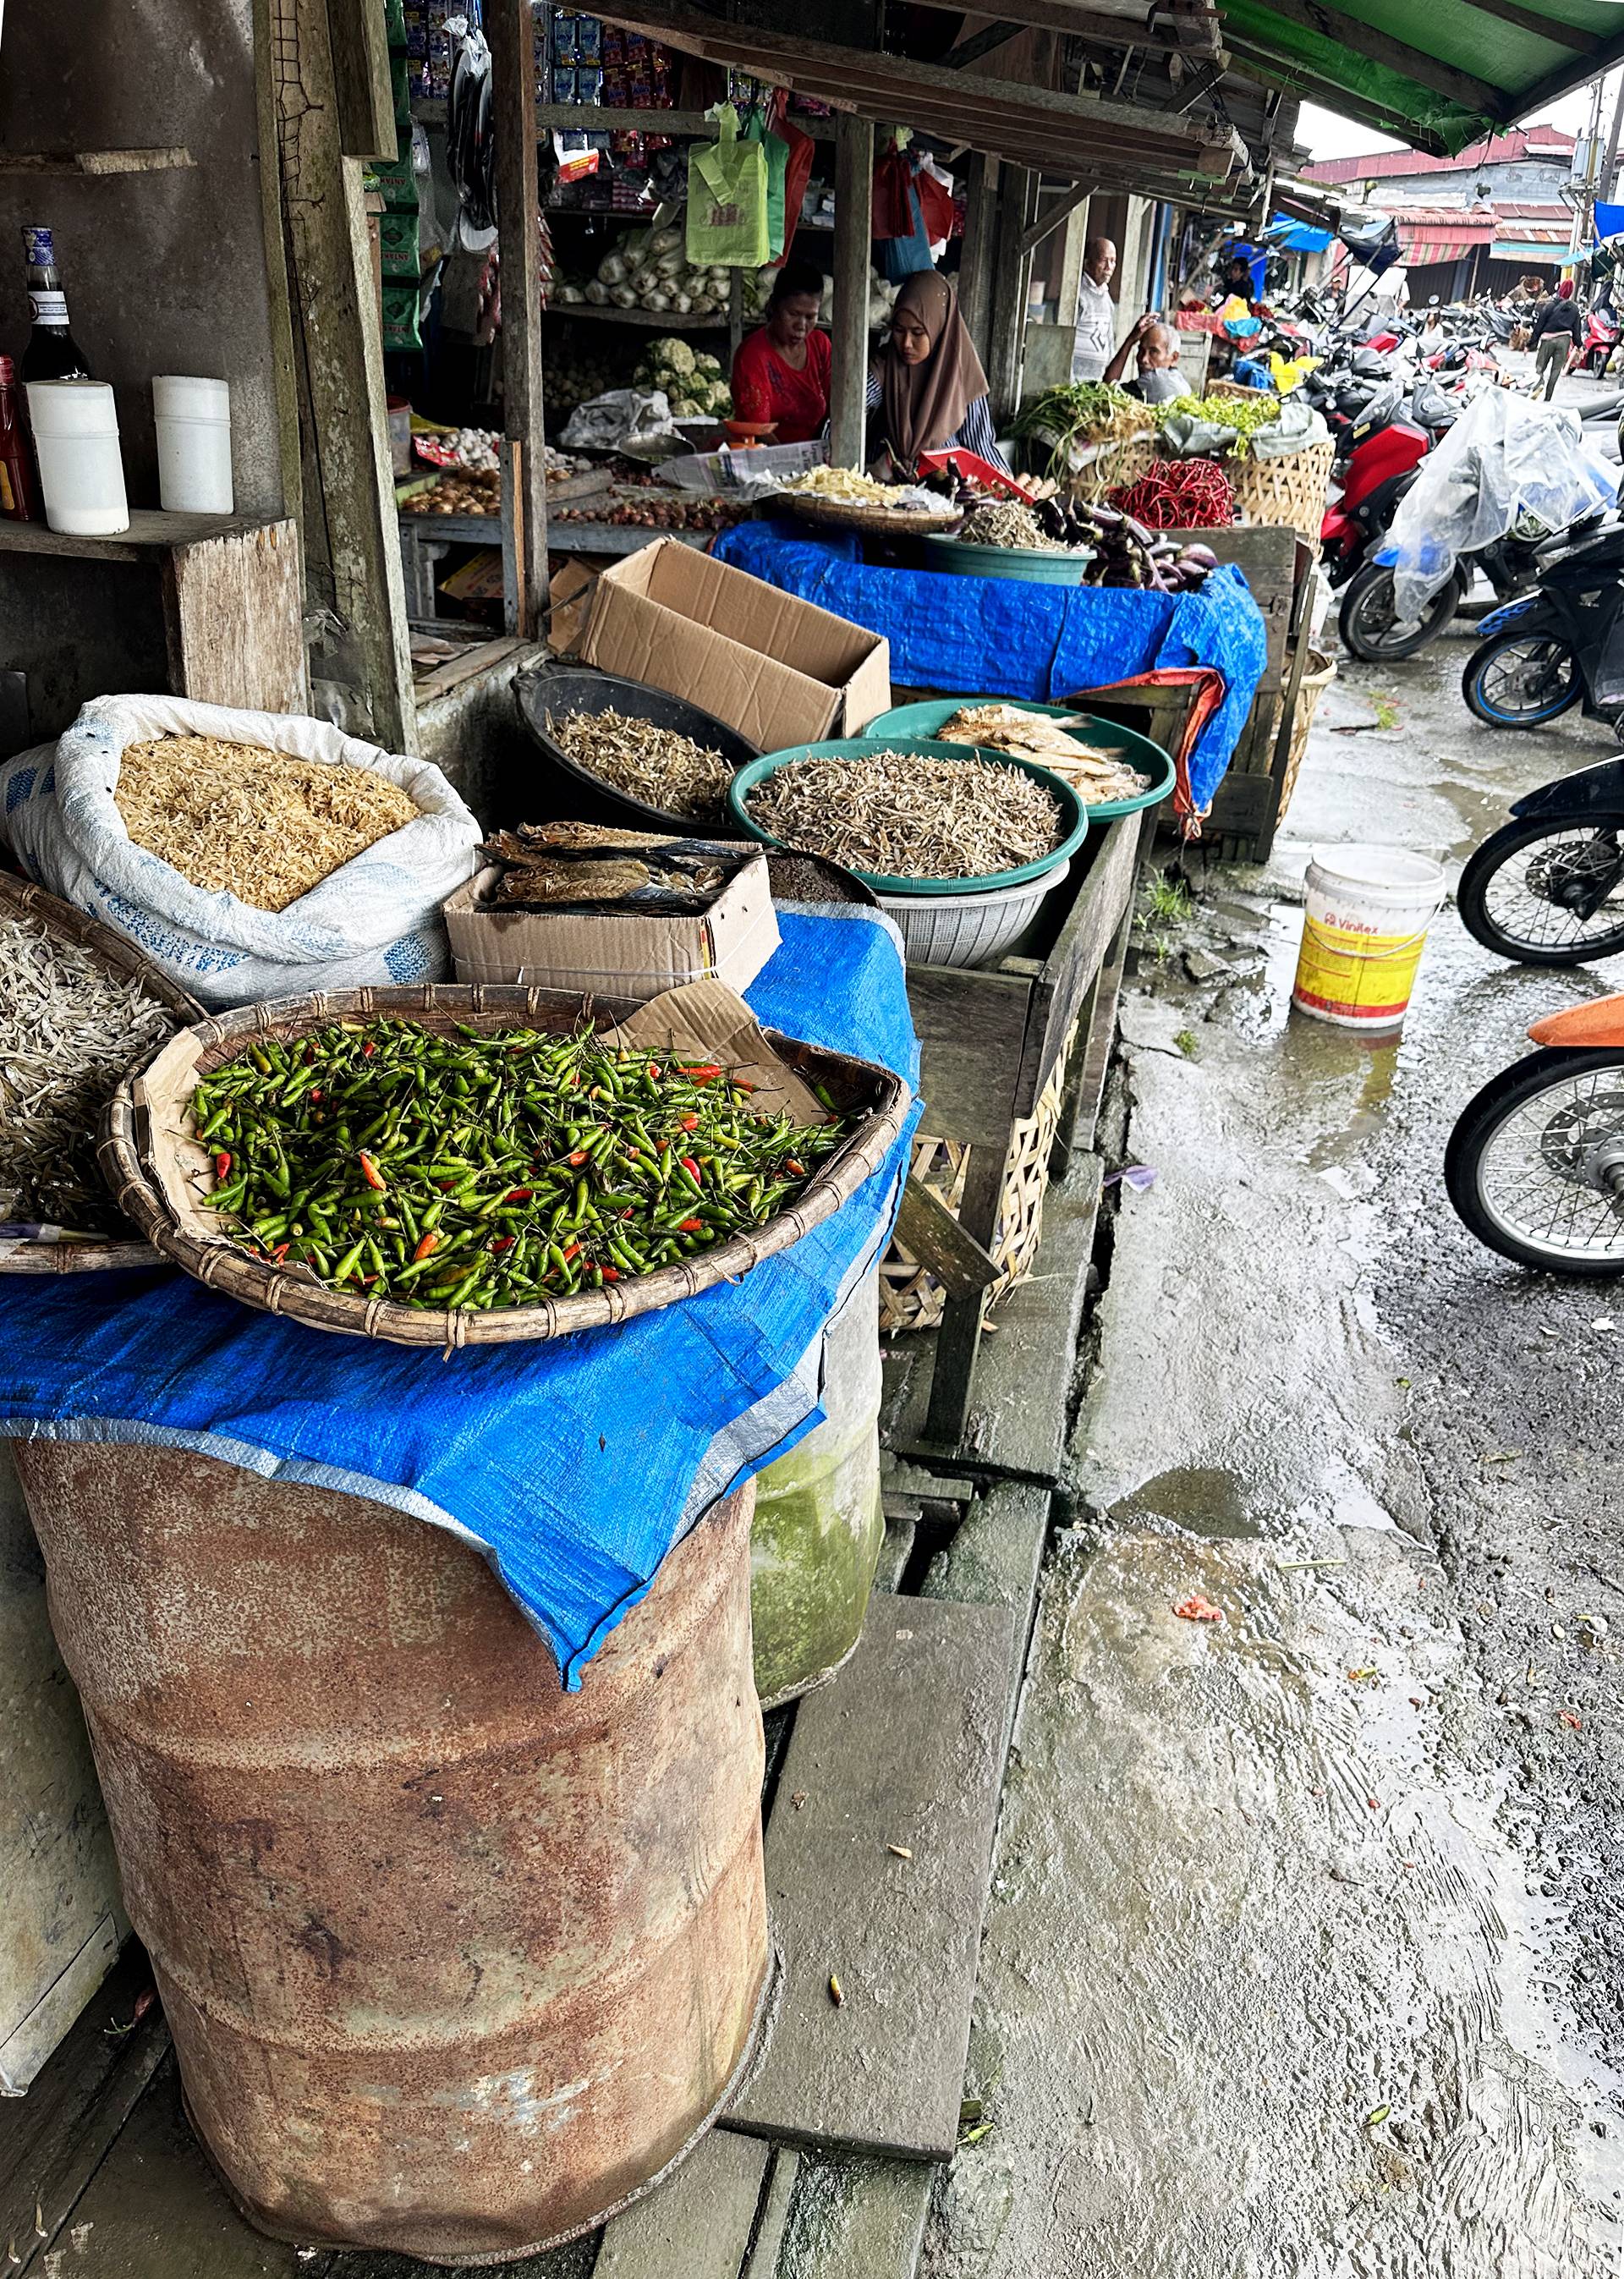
[
  {"x": 1074, "y": 814},
  {"x": 1032, "y": 565},
  {"x": 930, "y": 717}
]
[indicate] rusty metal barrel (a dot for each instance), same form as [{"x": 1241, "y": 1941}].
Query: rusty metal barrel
[{"x": 455, "y": 1962}]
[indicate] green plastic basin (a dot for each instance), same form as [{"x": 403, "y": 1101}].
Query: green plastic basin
[
  {"x": 1074, "y": 814},
  {"x": 930, "y": 717},
  {"x": 1032, "y": 565}
]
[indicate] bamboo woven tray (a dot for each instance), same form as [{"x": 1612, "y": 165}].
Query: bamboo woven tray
[
  {"x": 64, "y": 923},
  {"x": 131, "y": 1142},
  {"x": 888, "y": 521}
]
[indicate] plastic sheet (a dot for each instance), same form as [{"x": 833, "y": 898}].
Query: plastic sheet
[{"x": 1506, "y": 464}]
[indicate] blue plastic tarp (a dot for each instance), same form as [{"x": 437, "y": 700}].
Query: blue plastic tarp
[
  {"x": 573, "y": 1464},
  {"x": 999, "y": 637},
  {"x": 1609, "y": 221}
]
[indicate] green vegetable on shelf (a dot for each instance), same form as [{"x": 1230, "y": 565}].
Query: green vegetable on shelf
[{"x": 1244, "y": 414}]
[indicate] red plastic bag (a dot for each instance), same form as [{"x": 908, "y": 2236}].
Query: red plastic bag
[
  {"x": 797, "y": 174},
  {"x": 935, "y": 205},
  {"x": 893, "y": 209}
]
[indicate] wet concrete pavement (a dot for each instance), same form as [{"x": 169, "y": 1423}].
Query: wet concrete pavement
[{"x": 1306, "y": 1953}]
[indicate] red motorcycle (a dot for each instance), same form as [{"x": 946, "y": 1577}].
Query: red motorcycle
[
  {"x": 1380, "y": 469},
  {"x": 1601, "y": 337}
]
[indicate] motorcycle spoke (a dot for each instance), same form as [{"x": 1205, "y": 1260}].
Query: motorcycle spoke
[
  {"x": 1533, "y": 1176},
  {"x": 1519, "y": 897},
  {"x": 1526, "y": 677}
]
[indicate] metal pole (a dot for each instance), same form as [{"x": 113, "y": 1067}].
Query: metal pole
[
  {"x": 513, "y": 106},
  {"x": 1603, "y": 184}
]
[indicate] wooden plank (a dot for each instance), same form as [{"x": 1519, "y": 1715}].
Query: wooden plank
[
  {"x": 95, "y": 162},
  {"x": 857, "y": 2220},
  {"x": 149, "y": 533},
  {"x": 904, "y": 1750},
  {"x": 775, "y": 2213},
  {"x": 958, "y": 1341},
  {"x": 1058, "y": 994},
  {"x": 995, "y": 1559},
  {"x": 929, "y": 1229},
  {"x": 853, "y": 210},
  {"x": 352, "y": 548},
  {"x": 979, "y": 255},
  {"x": 1265, "y": 554},
  {"x": 984, "y": 42},
  {"x": 1017, "y": 204},
  {"x": 482, "y": 658},
  {"x": 361, "y": 79},
  {"x": 53, "y": 2140},
  {"x": 1534, "y": 19},
  {"x": 234, "y": 620},
  {"x": 1243, "y": 805},
  {"x": 971, "y": 1028},
  {"x": 1051, "y": 217},
  {"x": 698, "y": 2222},
  {"x": 509, "y": 26},
  {"x": 1100, "y": 28}
]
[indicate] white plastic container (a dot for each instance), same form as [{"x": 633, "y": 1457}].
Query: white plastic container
[
  {"x": 967, "y": 929},
  {"x": 193, "y": 418},
  {"x": 1363, "y": 933},
  {"x": 76, "y": 441}
]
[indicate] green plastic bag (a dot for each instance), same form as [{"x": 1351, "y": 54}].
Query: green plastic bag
[
  {"x": 727, "y": 200},
  {"x": 777, "y": 161}
]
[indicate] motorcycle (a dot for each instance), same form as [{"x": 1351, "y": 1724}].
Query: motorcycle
[
  {"x": 1562, "y": 644},
  {"x": 1380, "y": 466},
  {"x": 1601, "y": 337},
  {"x": 1371, "y": 628},
  {"x": 1544, "y": 889},
  {"x": 1535, "y": 1166}
]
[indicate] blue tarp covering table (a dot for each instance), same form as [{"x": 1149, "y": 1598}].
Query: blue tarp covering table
[
  {"x": 574, "y": 1464},
  {"x": 1000, "y": 637}
]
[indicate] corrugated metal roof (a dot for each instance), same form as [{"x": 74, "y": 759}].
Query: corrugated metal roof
[{"x": 1541, "y": 140}]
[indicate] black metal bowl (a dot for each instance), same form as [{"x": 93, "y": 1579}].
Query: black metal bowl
[{"x": 563, "y": 690}]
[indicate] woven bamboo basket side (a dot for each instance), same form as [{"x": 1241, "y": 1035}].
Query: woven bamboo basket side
[
  {"x": 1288, "y": 493},
  {"x": 881, "y": 521},
  {"x": 911, "y": 1298},
  {"x": 65, "y": 922},
  {"x": 127, "y": 1154},
  {"x": 1117, "y": 466},
  {"x": 1318, "y": 678}
]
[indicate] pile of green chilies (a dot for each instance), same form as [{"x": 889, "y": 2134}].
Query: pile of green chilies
[{"x": 488, "y": 1170}]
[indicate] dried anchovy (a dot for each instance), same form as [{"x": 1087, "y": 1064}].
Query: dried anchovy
[
  {"x": 910, "y": 815},
  {"x": 71, "y": 1026},
  {"x": 264, "y": 826},
  {"x": 1005, "y": 522},
  {"x": 646, "y": 762}
]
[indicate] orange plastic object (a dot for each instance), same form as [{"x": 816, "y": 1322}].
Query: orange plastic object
[{"x": 1601, "y": 1022}]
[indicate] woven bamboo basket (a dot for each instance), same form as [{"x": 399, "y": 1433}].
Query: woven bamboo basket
[
  {"x": 877, "y": 521},
  {"x": 1288, "y": 493},
  {"x": 64, "y": 923},
  {"x": 1318, "y": 678},
  {"x": 1116, "y": 466},
  {"x": 911, "y": 1298},
  {"x": 129, "y": 1144}
]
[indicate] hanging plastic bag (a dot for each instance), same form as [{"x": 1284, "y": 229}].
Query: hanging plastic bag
[
  {"x": 895, "y": 213},
  {"x": 1506, "y": 464},
  {"x": 937, "y": 210},
  {"x": 727, "y": 199},
  {"x": 776, "y": 152},
  {"x": 901, "y": 258},
  {"x": 797, "y": 173}
]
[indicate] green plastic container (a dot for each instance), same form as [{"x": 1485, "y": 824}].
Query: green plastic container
[
  {"x": 1030, "y": 565},
  {"x": 929, "y": 718},
  {"x": 1074, "y": 815},
  {"x": 818, "y": 1522}
]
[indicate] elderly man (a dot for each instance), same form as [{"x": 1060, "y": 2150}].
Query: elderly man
[
  {"x": 1157, "y": 378},
  {"x": 1096, "y": 334}
]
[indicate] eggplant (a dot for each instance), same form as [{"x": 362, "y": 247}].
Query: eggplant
[{"x": 1204, "y": 555}]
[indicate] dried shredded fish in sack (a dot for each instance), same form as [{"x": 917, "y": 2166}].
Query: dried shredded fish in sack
[
  {"x": 1093, "y": 773},
  {"x": 71, "y": 1028},
  {"x": 646, "y": 762},
  {"x": 910, "y": 815},
  {"x": 242, "y": 819}
]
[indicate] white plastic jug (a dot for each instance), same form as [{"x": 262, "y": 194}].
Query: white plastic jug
[
  {"x": 193, "y": 420},
  {"x": 76, "y": 441}
]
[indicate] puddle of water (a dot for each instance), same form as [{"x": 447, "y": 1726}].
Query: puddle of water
[{"x": 1206, "y": 1501}]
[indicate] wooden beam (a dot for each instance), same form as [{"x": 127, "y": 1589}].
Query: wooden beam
[
  {"x": 984, "y": 42},
  {"x": 1546, "y": 27},
  {"x": 1017, "y": 202},
  {"x": 1051, "y": 218},
  {"x": 360, "y": 74},
  {"x": 352, "y": 545},
  {"x": 926, "y": 1227},
  {"x": 852, "y": 239},
  {"x": 95, "y": 162},
  {"x": 1461, "y": 87},
  {"x": 1602, "y": 56},
  {"x": 979, "y": 253},
  {"x": 1100, "y": 27},
  {"x": 1274, "y": 71},
  {"x": 513, "y": 111},
  {"x": 1190, "y": 91}
]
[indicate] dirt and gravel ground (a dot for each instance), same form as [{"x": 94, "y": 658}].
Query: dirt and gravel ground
[{"x": 1306, "y": 1953}]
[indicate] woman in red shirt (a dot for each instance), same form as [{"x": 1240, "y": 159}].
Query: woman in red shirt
[{"x": 781, "y": 373}]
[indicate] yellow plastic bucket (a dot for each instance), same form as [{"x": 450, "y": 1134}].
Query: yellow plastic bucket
[{"x": 1366, "y": 926}]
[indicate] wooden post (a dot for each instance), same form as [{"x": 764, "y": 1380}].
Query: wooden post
[
  {"x": 852, "y": 239},
  {"x": 513, "y": 106},
  {"x": 352, "y": 543},
  {"x": 1017, "y": 205},
  {"x": 980, "y": 249}
]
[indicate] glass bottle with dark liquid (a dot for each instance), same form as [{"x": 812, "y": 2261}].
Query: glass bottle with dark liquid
[{"x": 52, "y": 352}]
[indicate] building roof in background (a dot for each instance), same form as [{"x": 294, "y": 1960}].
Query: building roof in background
[{"x": 1540, "y": 141}]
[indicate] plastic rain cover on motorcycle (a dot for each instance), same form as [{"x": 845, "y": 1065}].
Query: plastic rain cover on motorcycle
[{"x": 1506, "y": 463}]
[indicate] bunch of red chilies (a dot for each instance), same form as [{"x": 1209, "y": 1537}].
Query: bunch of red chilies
[{"x": 1180, "y": 494}]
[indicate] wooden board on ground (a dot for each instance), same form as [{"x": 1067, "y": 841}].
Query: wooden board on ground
[
  {"x": 906, "y": 1750},
  {"x": 855, "y": 2220},
  {"x": 699, "y": 2224},
  {"x": 994, "y": 1560}
]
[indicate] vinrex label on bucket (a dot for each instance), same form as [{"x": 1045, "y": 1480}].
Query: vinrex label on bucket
[{"x": 1363, "y": 935}]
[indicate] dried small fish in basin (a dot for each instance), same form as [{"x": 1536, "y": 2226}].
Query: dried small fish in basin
[
  {"x": 1094, "y": 774},
  {"x": 646, "y": 762},
  {"x": 911, "y": 815},
  {"x": 71, "y": 1027}
]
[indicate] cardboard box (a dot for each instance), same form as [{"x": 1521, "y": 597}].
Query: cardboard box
[
  {"x": 771, "y": 667},
  {"x": 629, "y": 953}
]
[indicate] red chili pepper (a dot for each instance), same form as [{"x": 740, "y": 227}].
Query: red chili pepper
[
  {"x": 518, "y": 1194},
  {"x": 371, "y": 1173},
  {"x": 222, "y": 1162},
  {"x": 426, "y": 1249},
  {"x": 690, "y": 1166},
  {"x": 703, "y": 1074},
  {"x": 687, "y": 1124},
  {"x": 315, "y": 1091},
  {"x": 796, "y": 1171},
  {"x": 502, "y": 1242},
  {"x": 653, "y": 1071},
  {"x": 570, "y": 1250},
  {"x": 281, "y": 1251},
  {"x": 611, "y": 1274},
  {"x": 576, "y": 1158},
  {"x": 367, "y": 1050},
  {"x": 691, "y": 1226}
]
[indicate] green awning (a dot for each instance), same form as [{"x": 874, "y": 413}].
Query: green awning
[{"x": 1438, "y": 76}]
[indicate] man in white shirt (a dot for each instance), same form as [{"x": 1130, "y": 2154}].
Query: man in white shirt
[{"x": 1096, "y": 334}]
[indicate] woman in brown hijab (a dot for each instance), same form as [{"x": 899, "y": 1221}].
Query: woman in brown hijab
[{"x": 927, "y": 392}]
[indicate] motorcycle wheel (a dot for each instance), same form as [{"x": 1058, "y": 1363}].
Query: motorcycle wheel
[
  {"x": 1366, "y": 621},
  {"x": 1512, "y": 896},
  {"x": 1521, "y": 680},
  {"x": 1527, "y": 1165}
]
